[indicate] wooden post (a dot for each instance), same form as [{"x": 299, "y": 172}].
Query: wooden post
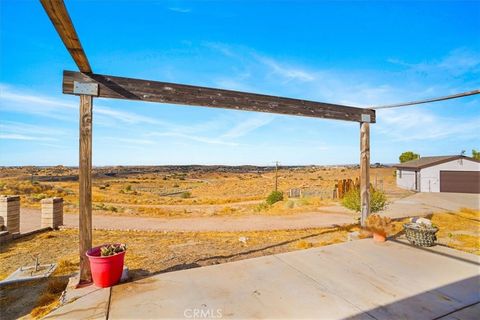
[
  {"x": 276, "y": 176},
  {"x": 85, "y": 186},
  {"x": 364, "y": 171}
]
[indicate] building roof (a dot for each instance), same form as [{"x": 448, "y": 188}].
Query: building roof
[{"x": 425, "y": 162}]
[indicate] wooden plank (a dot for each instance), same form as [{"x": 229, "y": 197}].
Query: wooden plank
[
  {"x": 364, "y": 172},
  {"x": 171, "y": 93},
  {"x": 85, "y": 186},
  {"x": 58, "y": 14}
]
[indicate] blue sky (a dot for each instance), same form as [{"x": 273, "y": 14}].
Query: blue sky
[{"x": 357, "y": 53}]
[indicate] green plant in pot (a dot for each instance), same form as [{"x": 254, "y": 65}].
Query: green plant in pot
[{"x": 111, "y": 249}]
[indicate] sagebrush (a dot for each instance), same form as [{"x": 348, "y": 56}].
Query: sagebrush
[
  {"x": 274, "y": 197},
  {"x": 351, "y": 200}
]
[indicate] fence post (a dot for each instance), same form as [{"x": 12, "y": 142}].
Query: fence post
[
  {"x": 10, "y": 213},
  {"x": 52, "y": 212}
]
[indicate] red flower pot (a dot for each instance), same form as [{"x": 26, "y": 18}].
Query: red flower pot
[{"x": 106, "y": 271}]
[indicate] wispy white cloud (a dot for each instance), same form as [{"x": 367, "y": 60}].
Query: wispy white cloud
[
  {"x": 19, "y": 101},
  {"x": 457, "y": 62},
  {"x": 26, "y": 128},
  {"x": 418, "y": 124},
  {"x": 193, "y": 137},
  {"x": 286, "y": 71},
  {"x": 134, "y": 141},
  {"x": 14, "y": 136},
  {"x": 248, "y": 56},
  {"x": 180, "y": 10},
  {"x": 248, "y": 126},
  {"x": 224, "y": 49},
  {"x": 10, "y": 130},
  {"x": 127, "y": 117}
]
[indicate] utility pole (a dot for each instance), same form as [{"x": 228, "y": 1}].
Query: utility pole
[{"x": 276, "y": 176}]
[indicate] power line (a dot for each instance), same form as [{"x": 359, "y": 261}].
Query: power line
[{"x": 411, "y": 103}]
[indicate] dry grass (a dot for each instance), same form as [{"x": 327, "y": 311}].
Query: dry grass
[
  {"x": 137, "y": 194},
  {"x": 459, "y": 230},
  {"x": 45, "y": 303},
  {"x": 153, "y": 252}
]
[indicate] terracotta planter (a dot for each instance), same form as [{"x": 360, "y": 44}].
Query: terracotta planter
[{"x": 379, "y": 237}]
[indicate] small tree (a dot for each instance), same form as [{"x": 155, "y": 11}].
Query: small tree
[
  {"x": 408, "y": 156},
  {"x": 274, "y": 197},
  {"x": 475, "y": 154}
]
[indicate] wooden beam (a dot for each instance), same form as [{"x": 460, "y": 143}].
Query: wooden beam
[
  {"x": 85, "y": 185},
  {"x": 58, "y": 14},
  {"x": 364, "y": 172},
  {"x": 171, "y": 93}
]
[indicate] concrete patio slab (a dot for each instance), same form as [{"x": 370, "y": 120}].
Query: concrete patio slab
[
  {"x": 89, "y": 303},
  {"x": 388, "y": 281},
  {"x": 354, "y": 280},
  {"x": 424, "y": 203}
]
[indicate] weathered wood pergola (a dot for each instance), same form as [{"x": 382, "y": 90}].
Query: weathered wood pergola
[{"x": 88, "y": 85}]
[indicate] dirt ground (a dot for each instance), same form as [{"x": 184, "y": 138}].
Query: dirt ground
[{"x": 189, "y": 192}]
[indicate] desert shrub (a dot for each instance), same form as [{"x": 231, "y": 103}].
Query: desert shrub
[
  {"x": 27, "y": 188},
  {"x": 128, "y": 188},
  {"x": 274, "y": 197},
  {"x": 176, "y": 185},
  {"x": 378, "y": 224},
  {"x": 227, "y": 210},
  {"x": 290, "y": 204},
  {"x": 100, "y": 206},
  {"x": 351, "y": 200},
  {"x": 304, "y": 201},
  {"x": 262, "y": 207},
  {"x": 39, "y": 196},
  {"x": 304, "y": 244},
  {"x": 185, "y": 195}
]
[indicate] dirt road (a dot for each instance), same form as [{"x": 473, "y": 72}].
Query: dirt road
[
  {"x": 335, "y": 216},
  {"x": 415, "y": 205}
]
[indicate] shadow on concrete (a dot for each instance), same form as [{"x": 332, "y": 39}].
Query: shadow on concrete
[
  {"x": 428, "y": 249},
  {"x": 402, "y": 309}
]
